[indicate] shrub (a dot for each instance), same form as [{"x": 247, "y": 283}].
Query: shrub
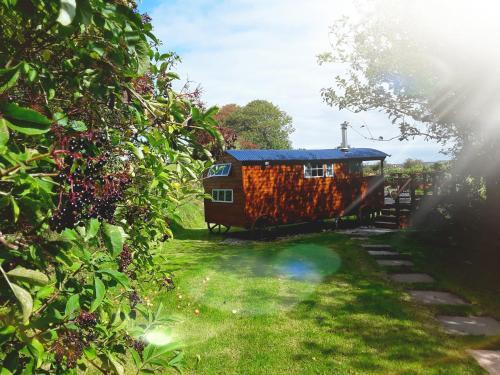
[{"x": 95, "y": 149}]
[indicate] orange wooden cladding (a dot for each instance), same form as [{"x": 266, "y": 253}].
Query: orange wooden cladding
[{"x": 282, "y": 193}]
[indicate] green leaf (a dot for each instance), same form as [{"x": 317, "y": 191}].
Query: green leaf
[
  {"x": 5, "y": 334},
  {"x": 136, "y": 357},
  {"x": 117, "y": 366},
  {"x": 92, "y": 229},
  {"x": 90, "y": 353},
  {"x": 136, "y": 151},
  {"x": 118, "y": 276},
  {"x": 9, "y": 77},
  {"x": 15, "y": 208},
  {"x": 142, "y": 49},
  {"x": 72, "y": 305},
  {"x": 70, "y": 234},
  {"x": 114, "y": 238},
  {"x": 78, "y": 125},
  {"x": 4, "y": 132},
  {"x": 177, "y": 359},
  {"x": 99, "y": 293},
  {"x": 24, "y": 299},
  {"x": 24, "y": 120},
  {"x": 31, "y": 276},
  {"x": 67, "y": 12},
  {"x": 37, "y": 350}
]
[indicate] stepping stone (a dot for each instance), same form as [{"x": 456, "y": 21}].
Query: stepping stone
[
  {"x": 430, "y": 297},
  {"x": 359, "y": 238},
  {"x": 377, "y": 247},
  {"x": 409, "y": 278},
  {"x": 379, "y": 253},
  {"x": 470, "y": 325},
  {"x": 487, "y": 359},
  {"x": 394, "y": 262}
]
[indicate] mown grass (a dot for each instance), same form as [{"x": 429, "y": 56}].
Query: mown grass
[{"x": 315, "y": 304}]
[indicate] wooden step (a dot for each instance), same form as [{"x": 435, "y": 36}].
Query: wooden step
[
  {"x": 403, "y": 206},
  {"x": 392, "y": 212},
  {"x": 386, "y": 224},
  {"x": 387, "y": 218}
]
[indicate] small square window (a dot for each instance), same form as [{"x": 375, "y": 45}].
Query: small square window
[
  {"x": 318, "y": 170},
  {"x": 222, "y": 195}
]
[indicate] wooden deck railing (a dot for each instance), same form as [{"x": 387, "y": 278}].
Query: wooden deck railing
[{"x": 406, "y": 191}]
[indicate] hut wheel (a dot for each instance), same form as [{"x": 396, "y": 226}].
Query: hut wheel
[{"x": 218, "y": 228}]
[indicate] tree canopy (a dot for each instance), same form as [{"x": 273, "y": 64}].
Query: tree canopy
[
  {"x": 398, "y": 58},
  {"x": 261, "y": 124}
]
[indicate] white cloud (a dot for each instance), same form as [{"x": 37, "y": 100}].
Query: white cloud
[{"x": 242, "y": 50}]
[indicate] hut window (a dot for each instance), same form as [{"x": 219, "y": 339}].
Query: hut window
[
  {"x": 329, "y": 170},
  {"x": 356, "y": 166},
  {"x": 318, "y": 170},
  {"x": 222, "y": 195},
  {"x": 219, "y": 170}
]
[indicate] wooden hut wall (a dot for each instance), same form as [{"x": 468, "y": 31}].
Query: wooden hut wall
[
  {"x": 230, "y": 214},
  {"x": 281, "y": 192}
]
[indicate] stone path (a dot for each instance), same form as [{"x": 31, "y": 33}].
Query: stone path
[
  {"x": 431, "y": 297},
  {"x": 470, "y": 325},
  {"x": 453, "y": 325},
  {"x": 487, "y": 359},
  {"x": 409, "y": 278},
  {"x": 378, "y": 253},
  {"x": 394, "y": 262},
  {"x": 377, "y": 247},
  {"x": 366, "y": 231}
]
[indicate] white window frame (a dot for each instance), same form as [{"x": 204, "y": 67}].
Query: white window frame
[
  {"x": 223, "y": 191},
  {"x": 324, "y": 168},
  {"x": 217, "y": 170}
]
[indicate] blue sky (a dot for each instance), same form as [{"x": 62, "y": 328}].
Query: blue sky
[{"x": 241, "y": 50}]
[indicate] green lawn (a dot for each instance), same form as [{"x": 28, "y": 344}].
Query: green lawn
[{"x": 315, "y": 304}]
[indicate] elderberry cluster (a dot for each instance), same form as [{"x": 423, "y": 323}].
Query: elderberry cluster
[
  {"x": 134, "y": 299},
  {"x": 86, "y": 320},
  {"x": 125, "y": 258},
  {"x": 70, "y": 347},
  {"x": 137, "y": 344},
  {"x": 87, "y": 191}
]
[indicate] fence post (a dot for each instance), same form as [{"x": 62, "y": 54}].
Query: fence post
[
  {"x": 413, "y": 197},
  {"x": 397, "y": 201},
  {"x": 435, "y": 190}
]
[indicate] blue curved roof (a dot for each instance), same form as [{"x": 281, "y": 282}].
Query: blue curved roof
[{"x": 328, "y": 154}]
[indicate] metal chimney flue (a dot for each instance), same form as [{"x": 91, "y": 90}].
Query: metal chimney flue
[{"x": 344, "y": 146}]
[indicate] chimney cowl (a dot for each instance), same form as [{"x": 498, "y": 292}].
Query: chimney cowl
[{"x": 344, "y": 146}]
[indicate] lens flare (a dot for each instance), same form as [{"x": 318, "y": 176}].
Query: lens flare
[
  {"x": 158, "y": 336},
  {"x": 265, "y": 282}
]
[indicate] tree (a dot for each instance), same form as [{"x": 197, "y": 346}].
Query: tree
[
  {"x": 414, "y": 165},
  {"x": 421, "y": 81},
  {"x": 96, "y": 149},
  {"x": 228, "y": 136},
  {"x": 224, "y": 112},
  {"x": 262, "y": 124}
]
